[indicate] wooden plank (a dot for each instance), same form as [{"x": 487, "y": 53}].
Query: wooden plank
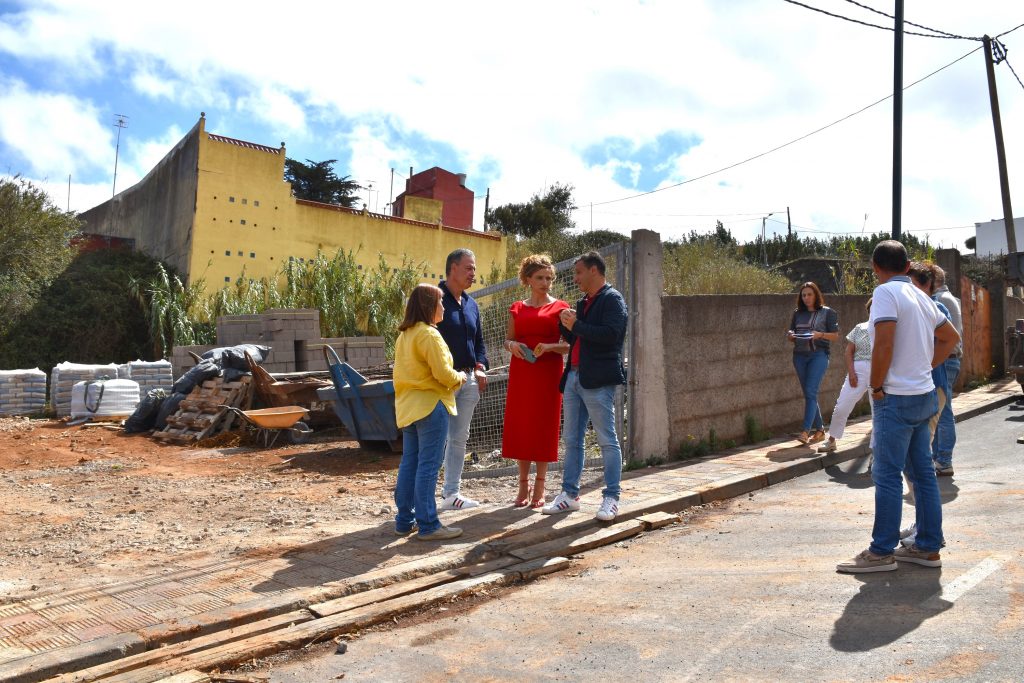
[
  {"x": 154, "y": 657},
  {"x": 572, "y": 546},
  {"x": 317, "y": 630},
  {"x": 187, "y": 677},
  {"x": 657, "y": 520},
  {"x": 350, "y": 602}
]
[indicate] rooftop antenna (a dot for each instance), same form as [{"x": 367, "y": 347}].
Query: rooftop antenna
[{"x": 120, "y": 121}]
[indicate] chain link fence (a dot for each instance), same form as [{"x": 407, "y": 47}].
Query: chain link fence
[{"x": 494, "y": 301}]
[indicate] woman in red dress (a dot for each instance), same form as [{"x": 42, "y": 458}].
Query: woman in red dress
[{"x": 533, "y": 403}]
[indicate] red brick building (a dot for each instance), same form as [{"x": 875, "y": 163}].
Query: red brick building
[{"x": 437, "y": 194}]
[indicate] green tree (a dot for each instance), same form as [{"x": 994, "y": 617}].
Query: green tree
[
  {"x": 87, "y": 314},
  {"x": 549, "y": 213},
  {"x": 35, "y": 246},
  {"x": 317, "y": 182}
]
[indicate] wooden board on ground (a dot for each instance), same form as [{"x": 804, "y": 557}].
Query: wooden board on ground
[{"x": 203, "y": 414}]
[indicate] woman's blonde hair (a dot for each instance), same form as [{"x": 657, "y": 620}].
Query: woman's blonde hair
[{"x": 532, "y": 263}]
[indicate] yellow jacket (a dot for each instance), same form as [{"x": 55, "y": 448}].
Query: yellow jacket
[{"x": 423, "y": 374}]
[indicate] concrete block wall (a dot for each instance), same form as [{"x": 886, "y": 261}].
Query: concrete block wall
[
  {"x": 294, "y": 338},
  {"x": 726, "y": 356},
  {"x": 235, "y": 329}
]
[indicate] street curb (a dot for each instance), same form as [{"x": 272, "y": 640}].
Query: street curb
[
  {"x": 45, "y": 665},
  {"x": 984, "y": 408}
]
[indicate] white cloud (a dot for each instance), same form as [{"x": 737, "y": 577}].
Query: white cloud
[
  {"x": 275, "y": 107},
  {"x": 531, "y": 84},
  {"x": 52, "y": 134}
]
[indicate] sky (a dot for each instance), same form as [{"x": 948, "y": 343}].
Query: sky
[{"x": 661, "y": 114}]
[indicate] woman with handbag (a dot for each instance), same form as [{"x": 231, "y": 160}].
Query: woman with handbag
[{"x": 812, "y": 329}]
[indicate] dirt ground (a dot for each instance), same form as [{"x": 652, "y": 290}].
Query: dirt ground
[{"x": 86, "y": 506}]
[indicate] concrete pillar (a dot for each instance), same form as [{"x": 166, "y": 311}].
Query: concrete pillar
[
  {"x": 648, "y": 416},
  {"x": 949, "y": 261}
]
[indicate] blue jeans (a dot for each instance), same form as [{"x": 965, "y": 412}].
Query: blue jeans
[
  {"x": 945, "y": 433},
  {"x": 901, "y": 443},
  {"x": 810, "y": 369},
  {"x": 597, "y": 406},
  {"x": 466, "y": 399},
  {"x": 422, "y": 450}
]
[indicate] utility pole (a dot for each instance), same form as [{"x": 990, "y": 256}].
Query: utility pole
[
  {"x": 897, "y": 126},
  {"x": 995, "y": 48},
  {"x": 487, "y": 207},
  {"x": 391, "y": 195},
  {"x": 120, "y": 121},
  {"x": 764, "y": 240},
  {"x": 789, "y": 234}
]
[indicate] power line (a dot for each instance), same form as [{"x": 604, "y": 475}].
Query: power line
[
  {"x": 758, "y": 214},
  {"x": 1007, "y": 62},
  {"x": 884, "y": 28},
  {"x": 1010, "y": 31},
  {"x": 944, "y": 34},
  {"x": 786, "y": 144}
]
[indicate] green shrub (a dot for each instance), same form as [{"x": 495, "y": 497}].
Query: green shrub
[
  {"x": 709, "y": 267},
  {"x": 754, "y": 432}
]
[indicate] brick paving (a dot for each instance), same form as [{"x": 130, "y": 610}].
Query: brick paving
[{"x": 49, "y": 622}]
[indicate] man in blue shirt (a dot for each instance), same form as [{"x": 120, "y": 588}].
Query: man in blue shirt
[{"x": 462, "y": 331}]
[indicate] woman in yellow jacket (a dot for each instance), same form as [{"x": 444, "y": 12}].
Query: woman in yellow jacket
[{"x": 425, "y": 385}]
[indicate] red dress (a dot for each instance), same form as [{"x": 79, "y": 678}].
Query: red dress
[{"x": 533, "y": 403}]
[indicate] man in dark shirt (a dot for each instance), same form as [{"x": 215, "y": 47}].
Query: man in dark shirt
[
  {"x": 462, "y": 331},
  {"x": 595, "y": 331}
]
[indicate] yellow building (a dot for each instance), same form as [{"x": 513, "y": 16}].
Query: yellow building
[{"x": 215, "y": 206}]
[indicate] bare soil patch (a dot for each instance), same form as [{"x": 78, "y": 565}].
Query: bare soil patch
[{"x": 87, "y": 506}]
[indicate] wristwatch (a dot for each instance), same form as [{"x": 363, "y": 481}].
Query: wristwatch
[{"x": 877, "y": 390}]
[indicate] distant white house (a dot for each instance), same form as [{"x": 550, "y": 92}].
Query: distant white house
[{"x": 991, "y": 236}]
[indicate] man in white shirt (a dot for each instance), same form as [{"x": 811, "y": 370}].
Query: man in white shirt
[{"x": 909, "y": 338}]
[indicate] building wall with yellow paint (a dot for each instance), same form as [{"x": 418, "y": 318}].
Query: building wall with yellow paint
[
  {"x": 246, "y": 221},
  {"x": 423, "y": 209}
]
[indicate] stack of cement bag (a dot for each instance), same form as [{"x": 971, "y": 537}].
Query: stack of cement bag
[
  {"x": 150, "y": 375},
  {"x": 22, "y": 392},
  {"x": 63, "y": 378}
]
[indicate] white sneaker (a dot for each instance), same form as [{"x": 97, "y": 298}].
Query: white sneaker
[
  {"x": 609, "y": 509},
  {"x": 457, "y": 502},
  {"x": 563, "y": 502},
  {"x": 908, "y": 535}
]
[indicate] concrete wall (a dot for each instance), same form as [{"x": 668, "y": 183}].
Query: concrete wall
[
  {"x": 727, "y": 357},
  {"x": 157, "y": 212}
]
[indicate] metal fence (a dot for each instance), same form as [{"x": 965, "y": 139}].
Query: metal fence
[{"x": 494, "y": 302}]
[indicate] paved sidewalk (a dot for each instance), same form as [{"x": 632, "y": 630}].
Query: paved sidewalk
[{"x": 71, "y": 630}]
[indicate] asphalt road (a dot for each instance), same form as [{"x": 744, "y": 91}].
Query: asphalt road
[{"x": 747, "y": 591}]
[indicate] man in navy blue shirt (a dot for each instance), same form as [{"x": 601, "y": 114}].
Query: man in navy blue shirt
[{"x": 462, "y": 331}]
